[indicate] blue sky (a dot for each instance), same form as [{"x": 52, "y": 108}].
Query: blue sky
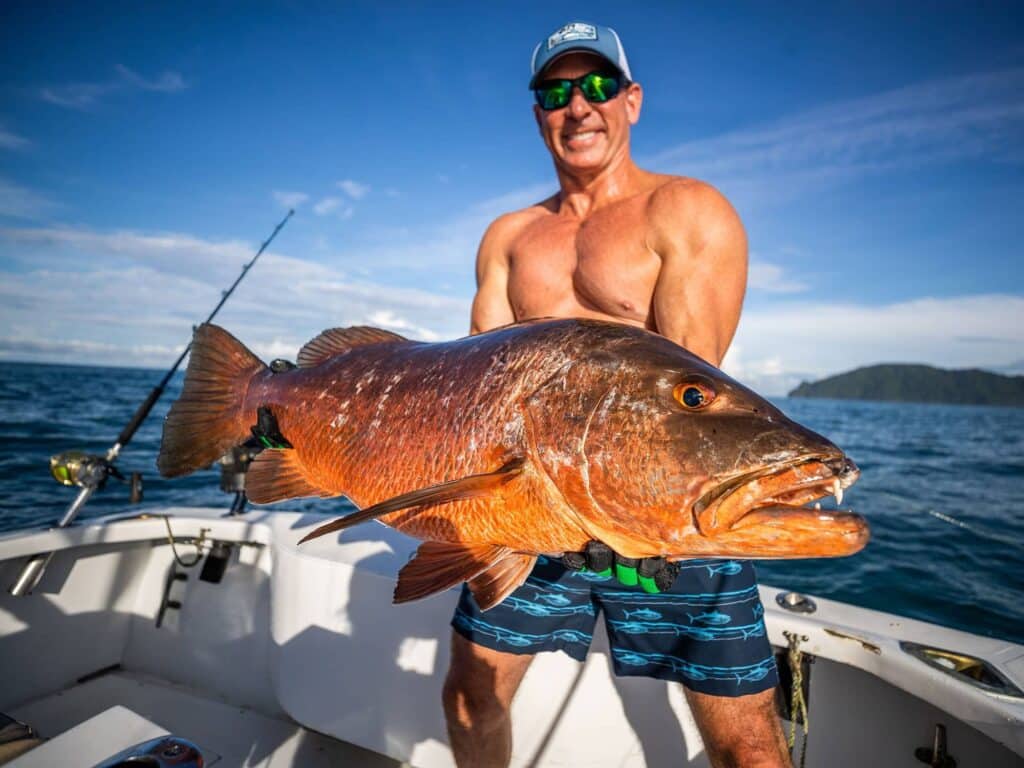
[{"x": 875, "y": 154}]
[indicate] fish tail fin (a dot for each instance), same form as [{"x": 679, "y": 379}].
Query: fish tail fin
[{"x": 206, "y": 420}]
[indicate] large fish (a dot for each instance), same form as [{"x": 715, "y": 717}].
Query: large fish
[{"x": 531, "y": 439}]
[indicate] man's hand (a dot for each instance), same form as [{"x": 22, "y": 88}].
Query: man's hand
[{"x": 654, "y": 574}]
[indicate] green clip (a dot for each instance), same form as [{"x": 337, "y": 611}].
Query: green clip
[
  {"x": 626, "y": 574},
  {"x": 649, "y": 585},
  {"x": 606, "y": 572}
]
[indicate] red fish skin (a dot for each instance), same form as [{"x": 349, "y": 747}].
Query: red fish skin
[
  {"x": 384, "y": 419},
  {"x": 612, "y": 455}
]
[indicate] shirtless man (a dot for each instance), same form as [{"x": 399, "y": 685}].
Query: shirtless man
[{"x": 660, "y": 252}]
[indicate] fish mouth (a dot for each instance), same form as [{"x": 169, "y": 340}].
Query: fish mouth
[{"x": 790, "y": 485}]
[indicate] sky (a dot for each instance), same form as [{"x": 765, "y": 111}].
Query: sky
[{"x": 874, "y": 151}]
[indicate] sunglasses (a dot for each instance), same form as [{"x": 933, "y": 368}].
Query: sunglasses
[{"x": 596, "y": 88}]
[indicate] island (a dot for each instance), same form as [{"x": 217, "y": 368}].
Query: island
[{"x": 918, "y": 384}]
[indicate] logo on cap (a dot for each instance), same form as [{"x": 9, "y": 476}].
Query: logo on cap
[{"x": 570, "y": 32}]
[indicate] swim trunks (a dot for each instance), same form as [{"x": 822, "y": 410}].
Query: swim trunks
[{"x": 707, "y": 632}]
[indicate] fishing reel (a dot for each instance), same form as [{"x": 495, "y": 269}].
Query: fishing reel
[
  {"x": 235, "y": 463},
  {"x": 265, "y": 434},
  {"x": 87, "y": 470}
]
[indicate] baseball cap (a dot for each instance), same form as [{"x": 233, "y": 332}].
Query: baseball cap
[{"x": 579, "y": 36}]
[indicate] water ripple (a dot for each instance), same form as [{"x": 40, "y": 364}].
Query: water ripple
[{"x": 941, "y": 486}]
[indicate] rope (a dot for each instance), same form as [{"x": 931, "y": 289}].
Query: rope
[
  {"x": 198, "y": 544},
  {"x": 797, "y": 703}
]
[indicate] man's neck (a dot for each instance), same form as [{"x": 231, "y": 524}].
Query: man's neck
[{"x": 581, "y": 193}]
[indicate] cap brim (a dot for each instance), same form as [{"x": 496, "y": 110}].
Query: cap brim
[{"x": 563, "y": 54}]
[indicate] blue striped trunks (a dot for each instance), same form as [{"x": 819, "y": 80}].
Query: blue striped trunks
[{"x": 707, "y": 632}]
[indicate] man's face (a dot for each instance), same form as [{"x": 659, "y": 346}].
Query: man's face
[{"x": 582, "y": 136}]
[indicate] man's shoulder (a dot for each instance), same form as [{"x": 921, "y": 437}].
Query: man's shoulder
[
  {"x": 691, "y": 208},
  {"x": 692, "y": 212},
  {"x": 674, "y": 194}
]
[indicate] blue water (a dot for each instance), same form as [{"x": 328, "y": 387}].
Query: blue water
[{"x": 943, "y": 488}]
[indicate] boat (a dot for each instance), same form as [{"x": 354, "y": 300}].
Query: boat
[{"x": 160, "y": 635}]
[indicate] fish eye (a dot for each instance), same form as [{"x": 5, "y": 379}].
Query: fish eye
[{"x": 693, "y": 395}]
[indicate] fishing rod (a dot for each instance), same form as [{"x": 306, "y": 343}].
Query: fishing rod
[{"x": 90, "y": 471}]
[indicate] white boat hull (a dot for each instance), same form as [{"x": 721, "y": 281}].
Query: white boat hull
[{"x": 300, "y": 653}]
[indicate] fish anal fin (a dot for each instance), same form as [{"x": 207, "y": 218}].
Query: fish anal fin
[
  {"x": 492, "y": 586},
  {"x": 439, "y": 565},
  {"x": 276, "y": 475},
  {"x": 469, "y": 487},
  {"x": 334, "y": 341}
]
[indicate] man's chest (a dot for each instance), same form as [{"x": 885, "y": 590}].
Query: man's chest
[{"x": 601, "y": 265}]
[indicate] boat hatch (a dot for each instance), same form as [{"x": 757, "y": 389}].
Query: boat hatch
[{"x": 970, "y": 669}]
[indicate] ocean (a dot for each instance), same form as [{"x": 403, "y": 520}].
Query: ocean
[{"x": 942, "y": 486}]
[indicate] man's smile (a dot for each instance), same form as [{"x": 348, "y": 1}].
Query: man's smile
[{"x": 580, "y": 139}]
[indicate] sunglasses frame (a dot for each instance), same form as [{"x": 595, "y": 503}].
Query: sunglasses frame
[{"x": 573, "y": 83}]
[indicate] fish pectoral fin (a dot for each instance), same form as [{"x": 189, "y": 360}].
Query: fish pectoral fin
[
  {"x": 493, "y": 585},
  {"x": 276, "y": 475},
  {"x": 439, "y": 565},
  {"x": 334, "y": 341},
  {"x": 453, "y": 490}
]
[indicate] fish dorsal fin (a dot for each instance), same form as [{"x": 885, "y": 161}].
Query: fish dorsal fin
[
  {"x": 439, "y": 565},
  {"x": 492, "y": 586},
  {"x": 454, "y": 490},
  {"x": 278, "y": 475},
  {"x": 334, "y": 341}
]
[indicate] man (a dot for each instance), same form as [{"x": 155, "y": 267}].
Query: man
[{"x": 659, "y": 252}]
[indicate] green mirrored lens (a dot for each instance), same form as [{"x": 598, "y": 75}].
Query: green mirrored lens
[
  {"x": 556, "y": 96},
  {"x": 598, "y": 88}
]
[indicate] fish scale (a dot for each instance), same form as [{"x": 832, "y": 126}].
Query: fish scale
[{"x": 531, "y": 439}]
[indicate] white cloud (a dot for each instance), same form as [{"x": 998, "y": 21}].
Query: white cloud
[
  {"x": 334, "y": 205},
  {"x": 135, "y": 297},
  {"x": 777, "y": 346},
  {"x": 290, "y": 199},
  {"x": 86, "y": 95},
  {"x": 167, "y": 82},
  {"x": 449, "y": 250},
  {"x": 47, "y": 349},
  {"x": 22, "y": 203},
  {"x": 353, "y": 189},
  {"x": 931, "y": 122},
  {"x": 327, "y": 205},
  {"x": 11, "y": 140},
  {"x": 76, "y": 95},
  {"x": 771, "y": 278}
]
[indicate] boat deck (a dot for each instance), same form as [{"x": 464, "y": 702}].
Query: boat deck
[{"x": 228, "y": 735}]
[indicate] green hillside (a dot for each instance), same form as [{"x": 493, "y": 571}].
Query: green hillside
[{"x": 918, "y": 384}]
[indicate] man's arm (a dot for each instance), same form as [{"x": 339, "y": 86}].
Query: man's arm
[
  {"x": 703, "y": 250},
  {"x": 491, "y": 305}
]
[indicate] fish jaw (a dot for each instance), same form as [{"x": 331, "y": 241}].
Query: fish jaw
[
  {"x": 780, "y": 533},
  {"x": 791, "y": 483},
  {"x": 761, "y": 514},
  {"x": 789, "y": 532}
]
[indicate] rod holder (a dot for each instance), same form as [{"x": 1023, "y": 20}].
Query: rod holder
[{"x": 30, "y": 575}]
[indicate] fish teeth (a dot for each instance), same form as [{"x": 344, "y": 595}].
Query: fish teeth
[{"x": 837, "y": 491}]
